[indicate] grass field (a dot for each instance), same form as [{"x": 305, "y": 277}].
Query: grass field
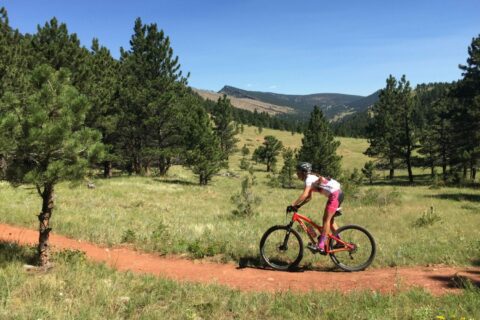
[
  {"x": 174, "y": 215},
  {"x": 413, "y": 225},
  {"x": 77, "y": 289}
]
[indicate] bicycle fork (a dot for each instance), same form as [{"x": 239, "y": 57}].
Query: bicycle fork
[{"x": 284, "y": 245}]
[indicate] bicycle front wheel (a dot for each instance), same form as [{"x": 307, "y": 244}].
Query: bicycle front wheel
[
  {"x": 359, "y": 251},
  {"x": 281, "y": 248}
]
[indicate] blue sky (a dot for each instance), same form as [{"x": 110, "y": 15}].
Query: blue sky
[{"x": 294, "y": 47}]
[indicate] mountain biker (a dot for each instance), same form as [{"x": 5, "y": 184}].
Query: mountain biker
[{"x": 326, "y": 186}]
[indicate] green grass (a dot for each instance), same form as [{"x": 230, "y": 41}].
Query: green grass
[
  {"x": 78, "y": 289},
  {"x": 174, "y": 215}
]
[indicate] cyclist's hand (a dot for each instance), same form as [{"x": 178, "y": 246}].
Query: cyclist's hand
[{"x": 292, "y": 209}]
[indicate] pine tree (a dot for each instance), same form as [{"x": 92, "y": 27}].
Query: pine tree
[
  {"x": 404, "y": 113},
  {"x": 222, "y": 117},
  {"x": 102, "y": 92},
  {"x": 383, "y": 131},
  {"x": 150, "y": 81},
  {"x": 268, "y": 152},
  {"x": 45, "y": 140},
  {"x": 52, "y": 44},
  {"x": 435, "y": 135},
  {"x": 368, "y": 171},
  {"x": 319, "y": 146},
  {"x": 287, "y": 174},
  {"x": 204, "y": 154},
  {"x": 466, "y": 113},
  {"x": 246, "y": 201}
]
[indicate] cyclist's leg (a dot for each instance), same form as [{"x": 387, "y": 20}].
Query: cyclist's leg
[
  {"x": 333, "y": 223},
  {"x": 330, "y": 209}
]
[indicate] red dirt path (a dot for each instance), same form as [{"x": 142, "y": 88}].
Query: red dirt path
[{"x": 437, "y": 279}]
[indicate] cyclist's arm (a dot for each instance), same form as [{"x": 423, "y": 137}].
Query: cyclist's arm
[{"x": 304, "y": 197}]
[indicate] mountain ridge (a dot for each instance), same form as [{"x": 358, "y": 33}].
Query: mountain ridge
[{"x": 334, "y": 105}]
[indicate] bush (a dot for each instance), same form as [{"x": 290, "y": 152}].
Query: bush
[
  {"x": 350, "y": 182},
  {"x": 206, "y": 246},
  {"x": 245, "y": 164},
  {"x": 380, "y": 198},
  {"x": 428, "y": 218},
  {"x": 128, "y": 236},
  {"x": 273, "y": 181},
  {"x": 245, "y": 200}
]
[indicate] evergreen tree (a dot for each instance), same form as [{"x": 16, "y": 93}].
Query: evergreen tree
[
  {"x": 102, "y": 92},
  {"x": 222, "y": 117},
  {"x": 52, "y": 44},
  {"x": 466, "y": 113},
  {"x": 245, "y": 150},
  {"x": 404, "y": 109},
  {"x": 204, "y": 154},
  {"x": 319, "y": 146},
  {"x": 434, "y": 124},
  {"x": 383, "y": 131},
  {"x": 150, "y": 81},
  {"x": 287, "y": 174},
  {"x": 44, "y": 139},
  {"x": 268, "y": 152},
  {"x": 246, "y": 201},
  {"x": 13, "y": 68},
  {"x": 368, "y": 171}
]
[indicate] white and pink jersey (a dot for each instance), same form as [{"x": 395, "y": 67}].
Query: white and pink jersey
[{"x": 322, "y": 185}]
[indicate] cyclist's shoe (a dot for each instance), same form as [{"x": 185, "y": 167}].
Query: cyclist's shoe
[
  {"x": 312, "y": 247},
  {"x": 315, "y": 249}
]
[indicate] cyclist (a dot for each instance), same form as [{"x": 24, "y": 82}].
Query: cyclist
[{"x": 326, "y": 186}]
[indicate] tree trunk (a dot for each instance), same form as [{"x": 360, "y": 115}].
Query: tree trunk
[
  {"x": 444, "y": 165},
  {"x": 409, "y": 166},
  {"x": 44, "y": 218},
  {"x": 472, "y": 168},
  {"x": 392, "y": 169},
  {"x": 146, "y": 168},
  {"x": 164, "y": 164},
  {"x": 107, "y": 169},
  {"x": 3, "y": 166},
  {"x": 203, "y": 179},
  {"x": 137, "y": 167}
]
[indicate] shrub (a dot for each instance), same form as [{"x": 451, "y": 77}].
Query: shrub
[
  {"x": 206, "y": 246},
  {"x": 128, "y": 236},
  {"x": 245, "y": 200},
  {"x": 428, "y": 218},
  {"x": 245, "y": 164}
]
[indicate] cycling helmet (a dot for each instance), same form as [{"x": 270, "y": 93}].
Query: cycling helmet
[{"x": 304, "y": 167}]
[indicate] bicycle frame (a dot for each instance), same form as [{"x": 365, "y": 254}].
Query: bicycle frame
[{"x": 302, "y": 220}]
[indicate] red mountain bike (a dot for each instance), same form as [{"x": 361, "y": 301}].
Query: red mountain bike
[{"x": 351, "y": 247}]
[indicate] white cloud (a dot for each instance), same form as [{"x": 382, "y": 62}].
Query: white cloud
[
  {"x": 249, "y": 85},
  {"x": 272, "y": 87}
]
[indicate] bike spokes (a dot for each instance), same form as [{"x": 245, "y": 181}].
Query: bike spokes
[
  {"x": 355, "y": 250},
  {"x": 281, "y": 248}
]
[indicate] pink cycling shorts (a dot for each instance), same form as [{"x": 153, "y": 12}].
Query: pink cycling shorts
[{"x": 333, "y": 202}]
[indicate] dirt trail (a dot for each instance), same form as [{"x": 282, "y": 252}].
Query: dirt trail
[{"x": 437, "y": 279}]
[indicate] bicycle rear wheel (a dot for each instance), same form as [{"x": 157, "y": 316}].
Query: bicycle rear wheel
[
  {"x": 363, "y": 250},
  {"x": 281, "y": 248}
]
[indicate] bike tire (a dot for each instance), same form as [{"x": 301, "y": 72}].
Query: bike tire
[
  {"x": 362, "y": 256},
  {"x": 277, "y": 257}
]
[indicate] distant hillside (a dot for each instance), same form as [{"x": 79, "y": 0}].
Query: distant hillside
[
  {"x": 247, "y": 103},
  {"x": 334, "y": 105},
  {"x": 365, "y": 103}
]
